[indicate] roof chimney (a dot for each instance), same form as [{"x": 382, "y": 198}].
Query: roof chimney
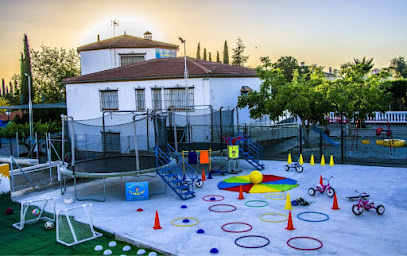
[
  {"x": 148, "y": 35},
  {"x": 98, "y": 38},
  {"x": 330, "y": 70}
]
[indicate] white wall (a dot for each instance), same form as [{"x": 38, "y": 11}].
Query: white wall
[
  {"x": 83, "y": 100},
  {"x": 224, "y": 92},
  {"x": 98, "y": 60}
]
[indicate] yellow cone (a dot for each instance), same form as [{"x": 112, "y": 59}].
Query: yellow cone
[
  {"x": 322, "y": 160},
  {"x": 289, "y": 161},
  {"x": 312, "y": 160},
  {"x": 301, "y": 161},
  {"x": 331, "y": 162},
  {"x": 288, "y": 205}
]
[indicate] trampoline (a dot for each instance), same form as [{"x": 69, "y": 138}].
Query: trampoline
[{"x": 107, "y": 167}]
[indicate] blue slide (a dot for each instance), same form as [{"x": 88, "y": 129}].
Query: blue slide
[{"x": 326, "y": 137}]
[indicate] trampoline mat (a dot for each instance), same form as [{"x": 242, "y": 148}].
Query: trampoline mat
[{"x": 119, "y": 164}]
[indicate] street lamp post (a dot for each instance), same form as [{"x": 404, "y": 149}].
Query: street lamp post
[
  {"x": 30, "y": 114},
  {"x": 186, "y": 90},
  {"x": 8, "y": 113}
]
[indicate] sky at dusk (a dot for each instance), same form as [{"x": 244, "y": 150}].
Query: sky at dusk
[{"x": 324, "y": 32}]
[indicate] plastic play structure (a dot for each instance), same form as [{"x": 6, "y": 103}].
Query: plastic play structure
[{"x": 325, "y": 136}]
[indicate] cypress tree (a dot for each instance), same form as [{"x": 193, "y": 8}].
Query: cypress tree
[
  {"x": 217, "y": 57},
  {"x": 226, "y": 53},
  {"x": 26, "y": 69},
  {"x": 210, "y": 56},
  {"x": 11, "y": 89},
  {"x": 3, "y": 88},
  {"x": 198, "y": 51},
  {"x": 204, "y": 54}
]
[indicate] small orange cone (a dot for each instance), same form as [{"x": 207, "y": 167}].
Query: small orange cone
[
  {"x": 240, "y": 193},
  {"x": 320, "y": 181},
  {"x": 157, "y": 221},
  {"x": 335, "y": 206},
  {"x": 290, "y": 223},
  {"x": 203, "y": 174}
]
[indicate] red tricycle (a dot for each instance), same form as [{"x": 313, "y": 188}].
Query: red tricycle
[
  {"x": 322, "y": 188},
  {"x": 365, "y": 204}
]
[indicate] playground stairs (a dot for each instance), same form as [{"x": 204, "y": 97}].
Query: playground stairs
[
  {"x": 173, "y": 174},
  {"x": 250, "y": 151}
]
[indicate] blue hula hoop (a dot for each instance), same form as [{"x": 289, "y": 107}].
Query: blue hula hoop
[{"x": 327, "y": 217}]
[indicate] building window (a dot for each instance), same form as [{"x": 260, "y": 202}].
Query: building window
[
  {"x": 111, "y": 142},
  {"x": 140, "y": 99},
  {"x": 156, "y": 98},
  {"x": 109, "y": 100},
  {"x": 245, "y": 90},
  {"x": 126, "y": 59},
  {"x": 175, "y": 98}
]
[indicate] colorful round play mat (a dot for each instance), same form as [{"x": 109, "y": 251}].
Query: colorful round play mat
[{"x": 268, "y": 183}]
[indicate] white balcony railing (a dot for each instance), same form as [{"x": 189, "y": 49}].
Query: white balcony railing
[{"x": 393, "y": 117}]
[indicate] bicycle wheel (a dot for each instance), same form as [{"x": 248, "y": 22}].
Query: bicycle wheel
[
  {"x": 356, "y": 209},
  {"x": 330, "y": 192},
  {"x": 299, "y": 168},
  {"x": 287, "y": 167},
  {"x": 311, "y": 191},
  {"x": 380, "y": 209}
]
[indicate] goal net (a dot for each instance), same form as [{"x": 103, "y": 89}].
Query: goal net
[
  {"x": 75, "y": 225},
  {"x": 36, "y": 210}
]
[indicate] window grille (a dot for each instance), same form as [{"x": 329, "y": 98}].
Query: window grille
[
  {"x": 127, "y": 59},
  {"x": 111, "y": 142},
  {"x": 140, "y": 99},
  {"x": 109, "y": 100},
  {"x": 156, "y": 98},
  {"x": 175, "y": 98}
]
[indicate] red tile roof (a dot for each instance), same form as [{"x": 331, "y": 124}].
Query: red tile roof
[
  {"x": 126, "y": 41},
  {"x": 164, "y": 69},
  {"x": 13, "y": 115}
]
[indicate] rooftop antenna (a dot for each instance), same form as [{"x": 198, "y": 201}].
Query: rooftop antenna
[{"x": 114, "y": 24}]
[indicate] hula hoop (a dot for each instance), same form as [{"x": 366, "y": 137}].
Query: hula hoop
[
  {"x": 210, "y": 208},
  {"x": 187, "y": 225},
  {"x": 252, "y": 247},
  {"x": 273, "y": 198},
  {"x": 273, "y": 221},
  {"x": 304, "y": 249},
  {"x": 256, "y": 205},
  {"x": 232, "y": 231},
  {"x": 204, "y": 198},
  {"x": 327, "y": 217}
]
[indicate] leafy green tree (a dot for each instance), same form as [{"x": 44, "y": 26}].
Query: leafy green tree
[
  {"x": 399, "y": 67},
  {"x": 198, "y": 51},
  {"x": 210, "y": 56},
  {"x": 50, "y": 66},
  {"x": 204, "y": 54},
  {"x": 217, "y": 57},
  {"x": 305, "y": 96},
  {"x": 226, "y": 53},
  {"x": 3, "y": 102},
  {"x": 25, "y": 64},
  {"x": 399, "y": 95},
  {"x": 288, "y": 65},
  {"x": 358, "y": 94},
  {"x": 238, "y": 58}
]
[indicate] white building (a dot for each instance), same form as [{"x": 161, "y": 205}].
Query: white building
[{"x": 154, "y": 82}]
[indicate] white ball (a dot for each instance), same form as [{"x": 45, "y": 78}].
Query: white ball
[
  {"x": 98, "y": 248},
  {"x": 141, "y": 251},
  {"x": 126, "y": 248},
  {"x": 49, "y": 225}
]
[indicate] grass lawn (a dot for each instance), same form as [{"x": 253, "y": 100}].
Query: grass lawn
[{"x": 34, "y": 239}]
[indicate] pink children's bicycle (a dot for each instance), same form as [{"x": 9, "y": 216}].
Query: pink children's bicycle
[
  {"x": 365, "y": 204},
  {"x": 323, "y": 188}
]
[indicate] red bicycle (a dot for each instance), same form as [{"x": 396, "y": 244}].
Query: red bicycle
[
  {"x": 366, "y": 204},
  {"x": 323, "y": 188}
]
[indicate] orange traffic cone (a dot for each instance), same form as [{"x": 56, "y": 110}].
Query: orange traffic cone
[
  {"x": 290, "y": 223},
  {"x": 320, "y": 180},
  {"x": 240, "y": 193},
  {"x": 335, "y": 206},
  {"x": 157, "y": 221},
  {"x": 203, "y": 174}
]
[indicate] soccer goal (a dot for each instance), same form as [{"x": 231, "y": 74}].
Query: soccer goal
[
  {"x": 75, "y": 225},
  {"x": 36, "y": 210}
]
